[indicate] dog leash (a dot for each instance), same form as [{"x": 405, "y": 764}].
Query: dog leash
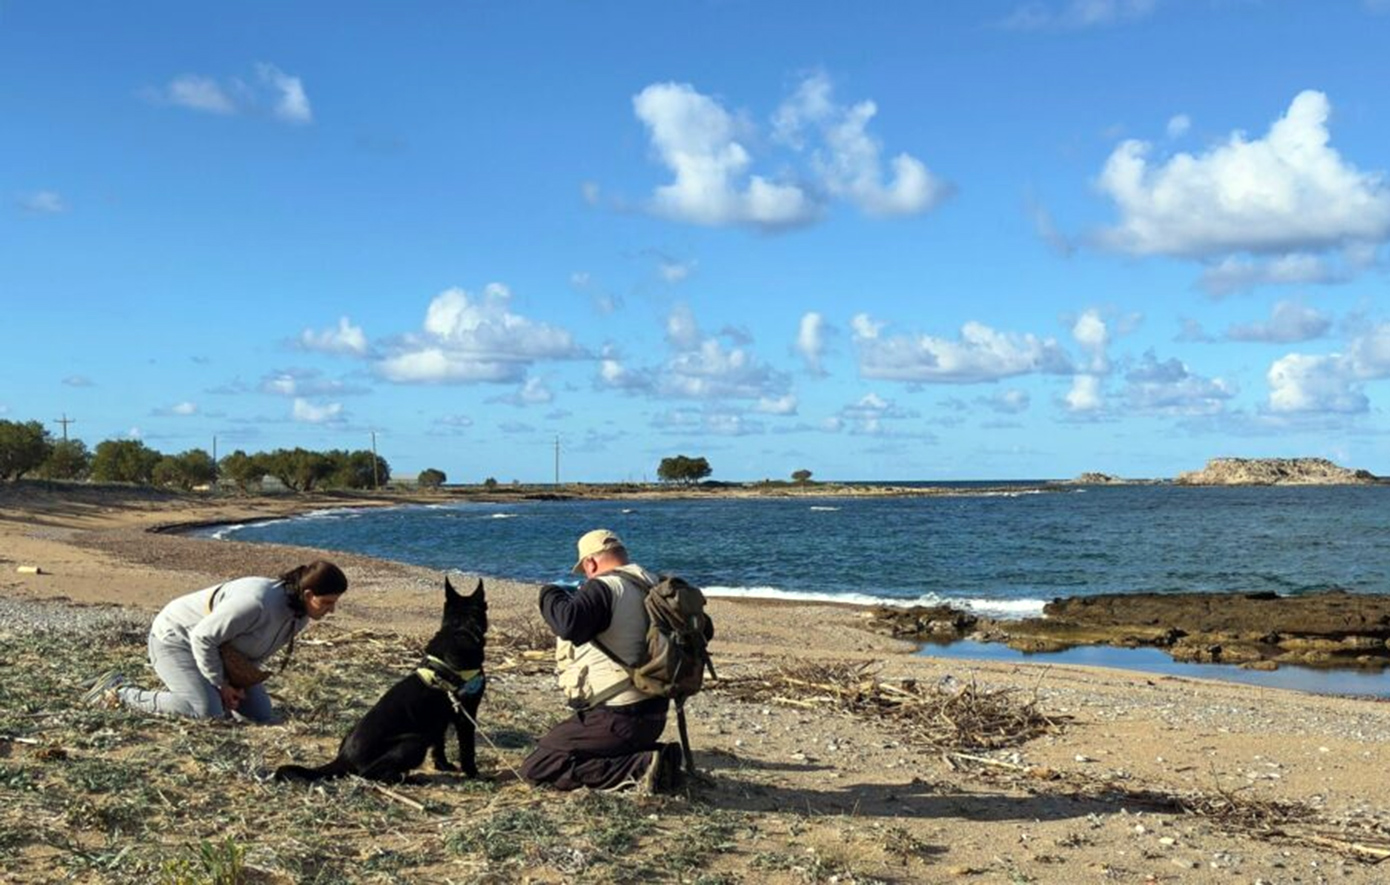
[{"x": 478, "y": 729}]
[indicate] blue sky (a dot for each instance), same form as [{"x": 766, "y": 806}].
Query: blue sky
[{"x": 967, "y": 240}]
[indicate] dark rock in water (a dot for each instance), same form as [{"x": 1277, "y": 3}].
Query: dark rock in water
[
  {"x": 1332, "y": 613},
  {"x": 1253, "y": 630},
  {"x": 922, "y": 621},
  {"x": 1329, "y": 629},
  {"x": 1273, "y": 471}
]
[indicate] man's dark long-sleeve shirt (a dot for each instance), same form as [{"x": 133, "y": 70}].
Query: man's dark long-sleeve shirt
[
  {"x": 580, "y": 615},
  {"x": 577, "y": 615}
]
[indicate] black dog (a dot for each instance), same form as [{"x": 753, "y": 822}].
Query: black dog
[{"x": 414, "y": 714}]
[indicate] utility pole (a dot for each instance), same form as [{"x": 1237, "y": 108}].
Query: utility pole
[
  {"x": 376, "y": 481},
  {"x": 65, "y": 421},
  {"x": 557, "y": 459}
]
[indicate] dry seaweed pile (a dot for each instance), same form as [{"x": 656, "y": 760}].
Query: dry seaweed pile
[{"x": 956, "y": 716}]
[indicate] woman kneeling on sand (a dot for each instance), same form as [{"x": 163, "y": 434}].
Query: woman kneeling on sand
[{"x": 209, "y": 646}]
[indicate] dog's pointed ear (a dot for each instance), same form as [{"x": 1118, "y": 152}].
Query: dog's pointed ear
[
  {"x": 449, "y": 592},
  {"x": 478, "y": 594}
]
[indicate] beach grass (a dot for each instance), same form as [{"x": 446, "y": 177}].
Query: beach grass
[{"x": 97, "y": 795}]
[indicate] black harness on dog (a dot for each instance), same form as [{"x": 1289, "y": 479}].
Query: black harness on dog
[{"x": 457, "y": 684}]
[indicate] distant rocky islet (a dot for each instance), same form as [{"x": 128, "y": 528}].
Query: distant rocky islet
[{"x": 1252, "y": 472}]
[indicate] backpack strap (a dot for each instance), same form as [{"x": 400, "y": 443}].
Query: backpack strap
[{"x": 618, "y": 688}]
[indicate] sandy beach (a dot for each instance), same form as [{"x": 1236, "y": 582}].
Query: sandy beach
[{"x": 1136, "y": 778}]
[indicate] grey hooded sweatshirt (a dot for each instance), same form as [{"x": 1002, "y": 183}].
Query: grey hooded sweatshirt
[{"x": 253, "y": 614}]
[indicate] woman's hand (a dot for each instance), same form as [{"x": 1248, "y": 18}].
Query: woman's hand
[{"x": 231, "y": 697}]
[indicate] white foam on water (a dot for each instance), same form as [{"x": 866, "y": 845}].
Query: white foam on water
[
  {"x": 328, "y": 513},
  {"x": 504, "y": 516},
  {"x": 1004, "y": 609},
  {"x": 825, "y": 509}
]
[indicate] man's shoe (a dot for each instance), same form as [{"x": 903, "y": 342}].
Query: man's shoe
[
  {"x": 103, "y": 691},
  {"x": 664, "y": 771}
]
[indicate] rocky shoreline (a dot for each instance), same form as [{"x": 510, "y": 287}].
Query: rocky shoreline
[{"x": 1263, "y": 631}]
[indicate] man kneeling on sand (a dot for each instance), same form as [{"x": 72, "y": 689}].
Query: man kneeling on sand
[{"x": 612, "y": 739}]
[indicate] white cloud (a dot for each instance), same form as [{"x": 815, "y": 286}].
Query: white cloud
[
  {"x": 705, "y": 147},
  {"x": 810, "y": 341},
  {"x": 1077, "y": 14},
  {"x": 134, "y": 433},
  {"x": 850, "y": 164},
  {"x": 78, "y": 381},
  {"x": 673, "y": 271},
  {"x": 615, "y": 376},
  {"x": 43, "y": 203},
  {"x": 282, "y": 93},
  {"x": 716, "y": 371},
  {"x": 310, "y": 413},
  {"x": 1091, "y": 334},
  {"x": 1331, "y": 383},
  {"x": 1285, "y": 193},
  {"x": 470, "y": 339},
  {"x": 1289, "y": 322},
  {"x": 1302, "y": 383},
  {"x": 1085, "y": 395},
  {"x": 1168, "y": 387},
  {"x": 697, "y": 140},
  {"x": 1179, "y": 125},
  {"x": 590, "y": 192},
  {"x": 1238, "y": 274},
  {"x": 292, "y": 104},
  {"x": 178, "y": 410},
  {"x": 700, "y": 367},
  {"x": 1007, "y": 402},
  {"x": 199, "y": 94},
  {"x": 782, "y": 405},
  {"x": 1370, "y": 352},
  {"x": 865, "y": 327},
  {"x": 979, "y": 354},
  {"x": 532, "y": 392},
  {"x": 450, "y": 425},
  {"x": 682, "y": 332},
  {"x": 871, "y": 415},
  {"x": 706, "y": 423},
  {"x": 345, "y": 339},
  {"x": 304, "y": 383}
]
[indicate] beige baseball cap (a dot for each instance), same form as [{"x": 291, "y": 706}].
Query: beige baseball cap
[{"x": 593, "y": 543}]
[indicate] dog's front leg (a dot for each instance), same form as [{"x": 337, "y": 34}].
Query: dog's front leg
[
  {"x": 467, "y": 736},
  {"x": 438, "y": 753}
]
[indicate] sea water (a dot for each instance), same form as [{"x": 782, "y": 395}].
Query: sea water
[{"x": 1002, "y": 551}]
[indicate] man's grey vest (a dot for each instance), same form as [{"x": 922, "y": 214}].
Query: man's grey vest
[{"x": 585, "y": 672}]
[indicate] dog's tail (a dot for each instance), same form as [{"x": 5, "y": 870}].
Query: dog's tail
[{"x": 304, "y": 774}]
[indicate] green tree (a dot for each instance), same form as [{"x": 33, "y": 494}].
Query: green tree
[
  {"x": 69, "y": 459},
  {"x": 194, "y": 467},
  {"x": 490, "y": 483},
  {"x": 245, "y": 471},
  {"x": 298, "y": 469},
  {"x": 801, "y": 476},
  {"x": 356, "y": 470},
  {"x": 430, "y": 478},
  {"x": 23, "y": 447},
  {"x": 124, "y": 460},
  {"x": 683, "y": 470}
]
